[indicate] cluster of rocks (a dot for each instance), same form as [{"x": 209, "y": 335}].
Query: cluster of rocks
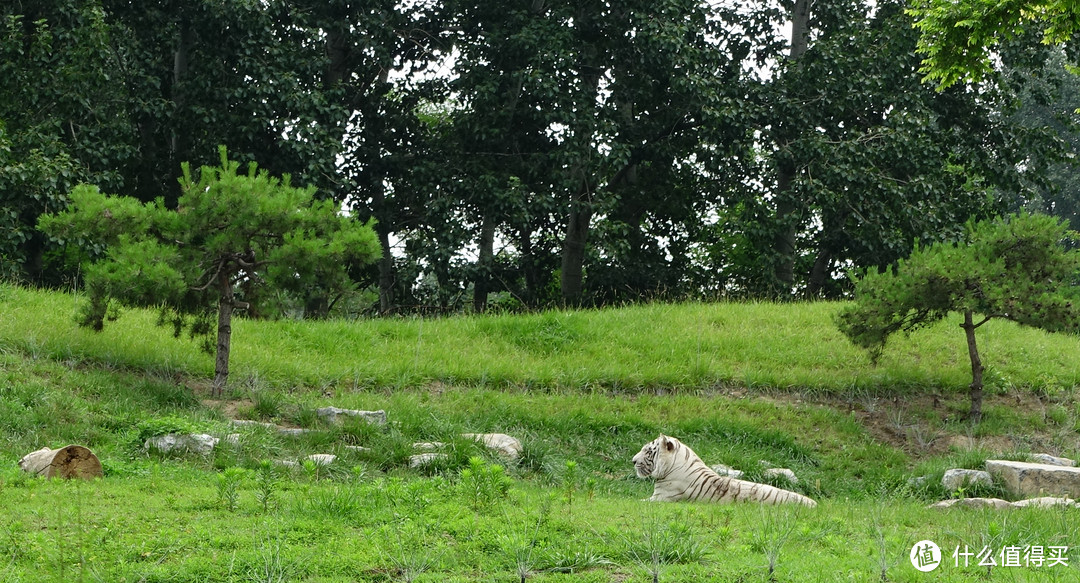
[
  {"x": 201, "y": 443},
  {"x": 1047, "y": 481}
]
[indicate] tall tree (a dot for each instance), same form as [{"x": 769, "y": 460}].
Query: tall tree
[
  {"x": 63, "y": 120},
  {"x": 881, "y": 161}
]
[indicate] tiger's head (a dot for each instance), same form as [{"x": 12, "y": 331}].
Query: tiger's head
[{"x": 650, "y": 461}]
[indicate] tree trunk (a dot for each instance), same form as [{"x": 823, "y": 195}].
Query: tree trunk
[
  {"x": 819, "y": 274},
  {"x": 226, "y": 304},
  {"x": 481, "y": 285},
  {"x": 386, "y": 272},
  {"x": 786, "y": 206},
  {"x": 528, "y": 266},
  {"x": 73, "y": 461},
  {"x": 573, "y": 255},
  {"x": 976, "y": 391}
]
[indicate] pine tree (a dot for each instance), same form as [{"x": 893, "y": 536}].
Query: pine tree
[
  {"x": 1015, "y": 268},
  {"x": 229, "y": 228}
]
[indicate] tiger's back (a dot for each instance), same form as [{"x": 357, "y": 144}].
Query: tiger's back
[{"x": 681, "y": 475}]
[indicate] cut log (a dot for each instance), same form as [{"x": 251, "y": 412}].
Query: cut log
[{"x": 73, "y": 461}]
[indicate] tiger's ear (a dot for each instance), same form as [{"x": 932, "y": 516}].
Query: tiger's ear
[{"x": 666, "y": 443}]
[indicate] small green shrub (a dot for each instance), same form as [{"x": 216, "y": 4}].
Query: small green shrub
[
  {"x": 229, "y": 483},
  {"x": 266, "y": 483},
  {"x": 484, "y": 484}
]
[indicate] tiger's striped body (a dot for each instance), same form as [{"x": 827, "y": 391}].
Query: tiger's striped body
[{"x": 681, "y": 475}]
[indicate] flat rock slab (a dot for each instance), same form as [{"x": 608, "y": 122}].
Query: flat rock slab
[
  {"x": 334, "y": 415},
  {"x": 321, "y": 459},
  {"x": 199, "y": 443},
  {"x": 1045, "y": 458},
  {"x": 1026, "y": 480},
  {"x": 727, "y": 471},
  {"x": 995, "y": 503},
  {"x": 999, "y": 504},
  {"x": 782, "y": 473}
]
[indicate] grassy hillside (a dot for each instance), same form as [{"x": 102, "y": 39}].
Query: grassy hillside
[
  {"x": 741, "y": 383},
  {"x": 755, "y": 345}
]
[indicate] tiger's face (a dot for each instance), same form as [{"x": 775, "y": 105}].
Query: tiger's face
[{"x": 645, "y": 462}]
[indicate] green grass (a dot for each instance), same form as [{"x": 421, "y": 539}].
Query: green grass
[
  {"x": 756, "y": 345},
  {"x": 740, "y": 383}
]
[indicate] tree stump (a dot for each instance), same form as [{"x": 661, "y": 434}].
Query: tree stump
[{"x": 73, "y": 461}]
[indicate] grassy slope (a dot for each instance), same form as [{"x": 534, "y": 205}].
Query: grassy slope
[
  {"x": 759, "y": 345},
  {"x": 162, "y": 520}
]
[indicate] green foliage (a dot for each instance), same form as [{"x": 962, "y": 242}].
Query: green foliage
[
  {"x": 484, "y": 484},
  {"x": 957, "y": 38},
  {"x": 229, "y": 483},
  {"x": 267, "y": 483},
  {"x": 1014, "y": 269},
  {"x": 230, "y": 231},
  {"x": 163, "y": 426}
]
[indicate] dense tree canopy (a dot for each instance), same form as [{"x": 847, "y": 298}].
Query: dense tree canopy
[
  {"x": 539, "y": 153},
  {"x": 958, "y": 37}
]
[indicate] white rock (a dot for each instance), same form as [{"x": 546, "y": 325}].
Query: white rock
[
  {"x": 200, "y": 443},
  {"x": 232, "y": 439},
  {"x": 333, "y": 414},
  {"x": 423, "y": 459},
  {"x": 357, "y": 448},
  {"x": 999, "y": 504},
  {"x": 996, "y": 503},
  {"x": 1044, "y": 502},
  {"x": 428, "y": 445},
  {"x": 1024, "y": 480},
  {"x": 1045, "y": 458},
  {"x": 292, "y": 431},
  {"x": 321, "y": 459},
  {"x": 955, "y": 479},
  {"x": 727, "y": 471},
  {"x": 781, "y": 473},
  {"x": 502, "y": 443},
  {"x": 918, "y": 481}
]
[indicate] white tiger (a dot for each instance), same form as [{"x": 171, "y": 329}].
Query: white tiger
[{"x": 681, "y": 475}]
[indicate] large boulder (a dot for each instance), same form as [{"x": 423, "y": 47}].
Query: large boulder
[{"x": 1025, "y": 480}]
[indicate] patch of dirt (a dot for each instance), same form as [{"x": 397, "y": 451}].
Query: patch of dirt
[
  {"x": 228, "y": 408},
  {"x": 926, "y": 425}
]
